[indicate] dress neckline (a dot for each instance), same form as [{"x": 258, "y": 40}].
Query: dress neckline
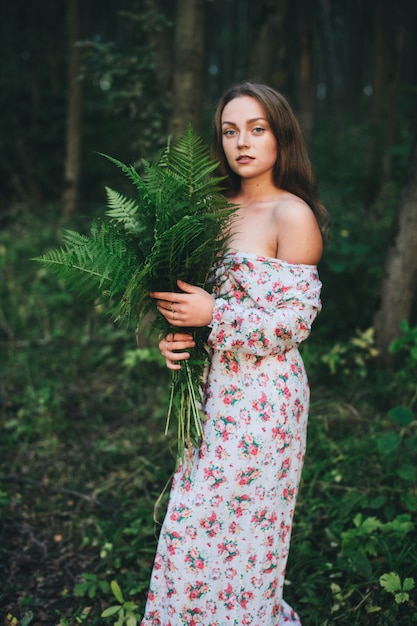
[{"x": 270, "y": 259}]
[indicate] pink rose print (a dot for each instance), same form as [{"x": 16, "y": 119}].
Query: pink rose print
[
  {"x": 246, "y": 477},
  {"x": 231, "y": 394},
  {"x": 192, "y": 617},
  {"x": 228, "y": 550},
  {"x": 283, "y": 438},
  {"x": 284, "y": 469},
  {"x": 211, "y": 525},
  {"x": 229, "y": 362},
  {"x": 173, "y": 540},
  {"x": 264, "y": 518},
  {"x": 245, "y": 597},
  {"x": 214, "y": 476},
  {"x": 180, "y": 512},
  {"x": 194, "y": 560},
  {"x": 263, "y": 407},
  {"x": 270, "y": 563},
  {"x": 248, "y": 446},
  {"x": 228, "y": 597},
  {"x": 224, "y": 426},
  {"x": 238, "y": 503},
  {"x": 196, "y": 590}
]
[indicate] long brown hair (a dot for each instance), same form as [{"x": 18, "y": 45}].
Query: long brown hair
[{"x": 292, "y": 170}]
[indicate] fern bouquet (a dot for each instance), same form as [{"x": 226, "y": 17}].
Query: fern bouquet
[{"x": 176, "y": 228}]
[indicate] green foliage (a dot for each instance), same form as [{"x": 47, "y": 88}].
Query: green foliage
[
  {"x": 392, "y": 584},
  {"x": 91, "y": 586},
  {"x": 123, "y": 76},
  {"x": 98, "y": 266},
  {"x": 352, "y": 356},
  {"x": 126, "y": 611}
]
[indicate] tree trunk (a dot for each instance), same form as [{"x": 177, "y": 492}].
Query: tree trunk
[
  {"x": 267, "y": 58},
  {"x": 307, "y": 83},
  {"x": 189, "y": 66},
  {"x": 399, "y": 284},
  {"x": 329, "y": 54},
  {"x": 73, "y": 148}
]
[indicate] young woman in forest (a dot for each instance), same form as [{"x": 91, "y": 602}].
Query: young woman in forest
[{"x": 224, "y": 543}]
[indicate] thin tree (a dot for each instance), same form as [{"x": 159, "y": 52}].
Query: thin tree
[
  {"x": 399, "y": 284},
  {"x": 189, "y": 66},
  {"x": 268, "y": 50},
  {"x": 73, "y": 144}
]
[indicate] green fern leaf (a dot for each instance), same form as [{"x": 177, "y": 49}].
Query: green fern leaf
[
  {"x": 131, "y": 173},
  {"x": 124, "y": 211},
  {"x": 97, "y": 266}
]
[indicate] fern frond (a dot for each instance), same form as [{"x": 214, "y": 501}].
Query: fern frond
[
  {"x": 131, "y": 173},
  {"x": 124, "y": 211},
  {"x": 97, "y": 266},
  {"x": 189, "y": 160}
]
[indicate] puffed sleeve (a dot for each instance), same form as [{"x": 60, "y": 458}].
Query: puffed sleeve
[{"x": 273, "y": 324}]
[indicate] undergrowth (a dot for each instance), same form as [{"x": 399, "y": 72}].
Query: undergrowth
[{"x": 84, "y": 459}]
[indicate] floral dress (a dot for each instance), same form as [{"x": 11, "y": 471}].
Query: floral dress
[{"x": 224, "y": 543}]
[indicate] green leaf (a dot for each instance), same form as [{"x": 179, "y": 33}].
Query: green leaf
[
  {"x": 407, "y": 472},
  {"x": 401, "y": 416},
  {"x": 123, "y": 210},
  {"x": 408, "y": 584},
  {"x": 121, "y": 618},
  {"x": 366, "y": 525},
  {"x": 26, "y": 619},
  {"x": 401, "y": 525},
  {"x": 117, "y": 592},
  {"x": 390, "y": 582},
  {"x": 388, "y": 442},
  {"x": 111, "y": 610},
  {"x": 401, "y": 597}
]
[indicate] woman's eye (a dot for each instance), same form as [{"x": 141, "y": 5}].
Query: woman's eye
[
  {"x": 229, "y": 133},
  {"x": 258, "y": 130}
]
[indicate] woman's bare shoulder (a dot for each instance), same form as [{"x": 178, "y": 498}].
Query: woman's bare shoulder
[{"x": 299, "y": 236}]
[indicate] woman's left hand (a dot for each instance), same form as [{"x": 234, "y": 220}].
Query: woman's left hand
[{"x": 193, "y": 307}]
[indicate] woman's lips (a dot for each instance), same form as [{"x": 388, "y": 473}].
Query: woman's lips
[{"x": 244, "y": 158}]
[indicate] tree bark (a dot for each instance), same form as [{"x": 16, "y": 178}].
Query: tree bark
[
  {"x": 307, "y": 82},
  {"x": 329, "y": 54},
  {"x": 189, "y": 66},
  {"x": 399, "y": 284},
  {"x": 268, "y": 49},
  {"x": 73, "y": 146}
]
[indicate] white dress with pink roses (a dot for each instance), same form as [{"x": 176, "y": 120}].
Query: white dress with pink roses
[{"x": 224, "y": 543}]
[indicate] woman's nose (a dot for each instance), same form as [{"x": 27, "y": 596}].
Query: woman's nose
[{"x": 243, "y": 140}]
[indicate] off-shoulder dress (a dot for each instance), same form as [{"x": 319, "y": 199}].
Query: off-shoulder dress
[{"x": 224, "y": 544}]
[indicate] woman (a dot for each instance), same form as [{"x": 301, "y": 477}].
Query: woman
[{"x": 224, "y": 543}]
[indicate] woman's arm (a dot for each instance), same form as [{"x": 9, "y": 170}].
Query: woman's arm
[{"x": 262, "y": 331}]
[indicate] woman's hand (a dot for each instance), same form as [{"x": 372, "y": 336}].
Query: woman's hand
[
  {"x": 170, "y": 345},
  {"x": 193, "y": 307}
]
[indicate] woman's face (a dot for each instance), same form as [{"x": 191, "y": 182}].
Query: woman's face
[{"x": 248, "y": 141}]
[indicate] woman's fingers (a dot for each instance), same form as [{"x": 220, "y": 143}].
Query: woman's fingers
[
  {"x": 192, "y": 307},
  {"x": 174, "y": 348}
]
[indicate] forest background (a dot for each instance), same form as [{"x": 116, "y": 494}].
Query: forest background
[{"x": 82, "y": 453}]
